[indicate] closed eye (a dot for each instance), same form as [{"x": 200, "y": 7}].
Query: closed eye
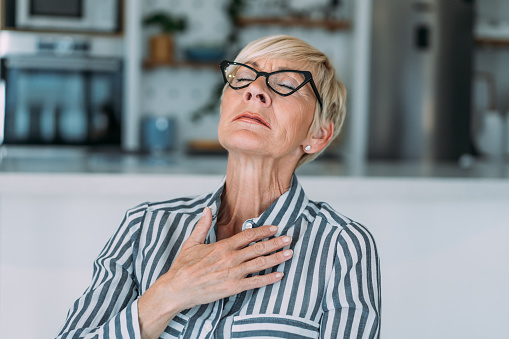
[
  {"x": 287, "y": 86},
  {"x": 240, "y": 81}
]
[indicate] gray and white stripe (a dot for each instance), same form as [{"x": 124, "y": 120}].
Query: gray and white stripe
[{"x": 331, "y": 287}]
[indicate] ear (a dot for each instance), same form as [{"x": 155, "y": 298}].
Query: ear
[{"x": 319, "y": 139}]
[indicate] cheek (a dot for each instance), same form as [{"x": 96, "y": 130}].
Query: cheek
[
  {"x": 226, "y": 99},
  {"x": 225, "y": 107},
  {"x": 297, "y": 122}
]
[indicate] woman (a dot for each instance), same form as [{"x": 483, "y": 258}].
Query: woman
[{"x": 255, "y": 258}]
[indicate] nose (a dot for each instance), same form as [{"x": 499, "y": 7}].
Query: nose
[{"x": 258, "y": 92}]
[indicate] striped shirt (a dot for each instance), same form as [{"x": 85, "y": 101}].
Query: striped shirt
[{"x": 331, "y": 286}]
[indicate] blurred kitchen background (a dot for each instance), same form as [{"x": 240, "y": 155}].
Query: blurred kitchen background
[{"x": 108, "y": 103}]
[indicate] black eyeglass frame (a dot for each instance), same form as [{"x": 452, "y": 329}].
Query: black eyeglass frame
[{"x": 308, "y": 77}]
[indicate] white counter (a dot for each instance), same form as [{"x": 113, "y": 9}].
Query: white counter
[
  {"x": 72, "y": 160},
  {"x": 442, "y": 242}
]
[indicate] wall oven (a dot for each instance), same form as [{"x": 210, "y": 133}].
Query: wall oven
[
  {"x": 69, "y": 15},
  {"x": 61, "y": 95}
]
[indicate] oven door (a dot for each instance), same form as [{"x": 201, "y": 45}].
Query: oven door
[{"x": 61, "y": 101}]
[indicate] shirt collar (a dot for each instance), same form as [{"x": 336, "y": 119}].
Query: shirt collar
[
  {"x": 215, "y": 200},
  {"x": 283, "y": 212}
]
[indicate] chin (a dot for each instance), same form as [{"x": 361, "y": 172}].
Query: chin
[{"x": 244, "y": 141}]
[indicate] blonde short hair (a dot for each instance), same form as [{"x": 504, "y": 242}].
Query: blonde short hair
[{"x": 332, "y": 91}]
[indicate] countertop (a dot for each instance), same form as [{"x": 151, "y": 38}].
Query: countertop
[{"x": 41, "y": 160}]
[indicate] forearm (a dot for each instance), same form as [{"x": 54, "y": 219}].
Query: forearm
[
  {"x": 108, "y": 308},
  {"x": 123, "y": 325},
  {"x": 129, "y": 323},
  {"x": 153, "y": 324},
  {"x": 155, "y": 313}
]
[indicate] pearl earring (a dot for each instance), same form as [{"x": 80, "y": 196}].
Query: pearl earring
[{"x": 307, "y": 148}]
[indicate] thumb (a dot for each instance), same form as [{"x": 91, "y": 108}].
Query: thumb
[{"x": 202, "y": 227}]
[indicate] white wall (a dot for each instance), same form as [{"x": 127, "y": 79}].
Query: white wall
[{"x": 442, "y": 244}]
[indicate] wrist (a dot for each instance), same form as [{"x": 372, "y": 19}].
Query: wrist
[
  {"x": 174, "y": 301},
  {"x": 167, "y": 301},
  {"x": 156, "y": 309}
]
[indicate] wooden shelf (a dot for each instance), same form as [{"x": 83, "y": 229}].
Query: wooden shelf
[
  {"x": 203, "y": 146},
  {"x": 331, "y": 25},
  {"x": 494, "y": 42},
  {"x": 147, "y": 64}
]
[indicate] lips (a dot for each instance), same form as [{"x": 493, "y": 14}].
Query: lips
[{"x": 252, "y": 118}]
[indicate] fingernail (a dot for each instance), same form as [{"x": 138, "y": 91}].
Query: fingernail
[
  {"x": 287, "y": 239},
  {"x": 279, "y": 275},
  {"x": 273, "y": 228},
  {"x": 287, "y": 253},
  {"x": 206, "y": 210}
]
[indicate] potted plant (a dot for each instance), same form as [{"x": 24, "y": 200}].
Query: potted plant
[{"x": 161, "y": 46}]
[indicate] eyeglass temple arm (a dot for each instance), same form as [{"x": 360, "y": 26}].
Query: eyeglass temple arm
[{"x": 316, "y": 93}]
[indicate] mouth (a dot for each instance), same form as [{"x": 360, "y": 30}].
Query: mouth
[{"x": 252, "y": 118}]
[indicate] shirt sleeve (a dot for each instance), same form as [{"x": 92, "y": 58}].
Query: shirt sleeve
[
  {"x": 109, "y": 306},
  {"x": 352, "y": 305}
]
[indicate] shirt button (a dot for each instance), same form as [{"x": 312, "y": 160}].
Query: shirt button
[
  {"x": 249, "y": 225},
  {"x": 207, "y": 327}
]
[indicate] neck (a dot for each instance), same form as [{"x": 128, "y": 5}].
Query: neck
[{"x": 252, "y": 185}]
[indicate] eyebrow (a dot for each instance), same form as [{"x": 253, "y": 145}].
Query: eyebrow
[{"x": 255, "y": 65}]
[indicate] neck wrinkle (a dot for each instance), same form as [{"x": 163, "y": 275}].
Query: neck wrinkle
[{"x": 251, "y": 186}]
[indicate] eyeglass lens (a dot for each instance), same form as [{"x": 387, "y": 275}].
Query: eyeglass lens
[{"x": 239, "y": 76}]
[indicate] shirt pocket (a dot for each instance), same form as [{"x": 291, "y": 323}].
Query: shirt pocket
[{"x": 274, "y": 326}]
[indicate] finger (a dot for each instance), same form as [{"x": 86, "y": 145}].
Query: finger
[
  {"x": 263, "y": 248},
  {"x": 263, "y": 262},
  {"x": 201, "y": 229},
  {"x": 261, "y": 280},
  {"x": 244, "y": 238}
]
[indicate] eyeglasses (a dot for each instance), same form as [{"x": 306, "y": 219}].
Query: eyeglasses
[{"x": 284, "y": 82}]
